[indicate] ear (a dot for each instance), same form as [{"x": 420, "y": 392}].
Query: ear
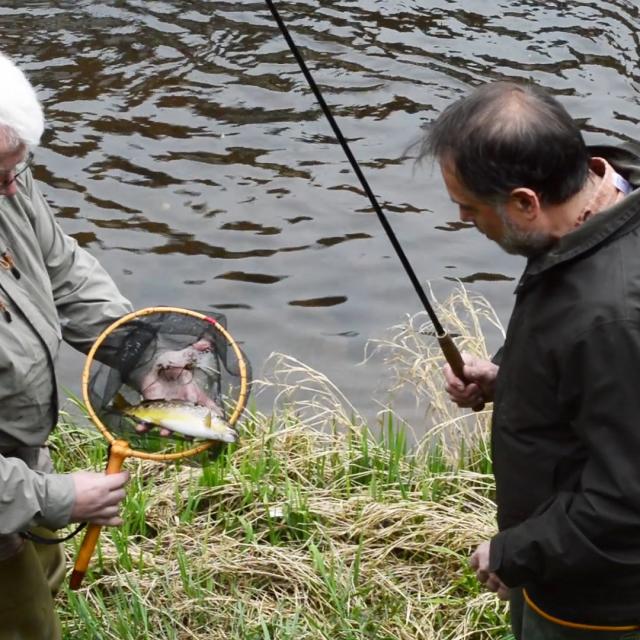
[{"x": 524, "y": 203}]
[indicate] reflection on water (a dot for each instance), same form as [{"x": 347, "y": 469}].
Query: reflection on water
[{"x": 184, "y": 149}]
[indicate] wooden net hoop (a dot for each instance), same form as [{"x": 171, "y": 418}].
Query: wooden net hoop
[{"x": 165, "y": 457}]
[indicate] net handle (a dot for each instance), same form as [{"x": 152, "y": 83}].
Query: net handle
[
  {"x": 164, "y": 457},
  {"x": 118, "y": 451}
]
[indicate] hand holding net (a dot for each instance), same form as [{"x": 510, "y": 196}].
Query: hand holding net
[{"x": 162, "y": 384}]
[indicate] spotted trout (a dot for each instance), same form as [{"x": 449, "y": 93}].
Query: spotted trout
[{"x": 194, "y": 420}]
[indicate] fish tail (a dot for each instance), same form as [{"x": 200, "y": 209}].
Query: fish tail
[{"x": 120, "y": 403}]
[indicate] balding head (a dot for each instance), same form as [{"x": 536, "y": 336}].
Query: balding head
[{"x": 504, "y": 136}]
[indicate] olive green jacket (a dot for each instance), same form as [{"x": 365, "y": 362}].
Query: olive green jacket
[{"x": 57, "y": 291}]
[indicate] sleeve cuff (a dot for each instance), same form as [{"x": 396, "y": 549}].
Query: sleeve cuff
[
  {"x": 58, "y": 500},
  {"x": 496, "y": 552}
]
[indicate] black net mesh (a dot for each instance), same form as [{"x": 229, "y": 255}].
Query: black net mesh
[{"x": 166, "y": 362}]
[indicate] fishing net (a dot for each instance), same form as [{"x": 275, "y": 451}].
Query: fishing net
[
  {"x": 174, "y": 359},
  {"x": 162, "y": 384}
]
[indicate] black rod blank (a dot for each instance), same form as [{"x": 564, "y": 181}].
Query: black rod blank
[
  {"x": 448, "y": 347},
  {"x": 356, "y": 167}
]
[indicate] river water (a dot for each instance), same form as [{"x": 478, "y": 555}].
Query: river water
[{"x": 184, "y": 149}]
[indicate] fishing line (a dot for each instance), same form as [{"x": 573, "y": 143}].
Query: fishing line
[{"x": 447, "y": 345}]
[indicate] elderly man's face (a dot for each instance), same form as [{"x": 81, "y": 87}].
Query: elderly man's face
[{"x": 9, "y": 158}]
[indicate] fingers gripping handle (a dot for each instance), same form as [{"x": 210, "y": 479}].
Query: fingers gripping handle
[
  {"x": 118, "y": 452},
  {"x": 455, "y": 360}
]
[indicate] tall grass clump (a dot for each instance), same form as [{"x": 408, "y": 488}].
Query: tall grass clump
[{"x": 314, "y": 526}]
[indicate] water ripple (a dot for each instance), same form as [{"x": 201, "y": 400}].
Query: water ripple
[{"x": 181, "y": 136}]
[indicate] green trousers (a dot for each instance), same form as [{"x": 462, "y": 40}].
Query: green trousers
[
  {"x": 28, "y": 582},
  {"x": 526, "y": 624}
]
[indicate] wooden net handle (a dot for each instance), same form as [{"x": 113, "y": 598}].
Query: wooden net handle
[{"x": 117, "y": 454}]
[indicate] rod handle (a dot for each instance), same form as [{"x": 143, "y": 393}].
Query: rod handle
[
  {"x": 454, "y": 358},
  {"x": 118, "y": 451}
]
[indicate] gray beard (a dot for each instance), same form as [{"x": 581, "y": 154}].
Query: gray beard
[{"x": 516, "y": 241}]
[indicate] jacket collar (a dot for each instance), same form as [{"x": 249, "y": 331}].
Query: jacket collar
[{"x": 617, "y": 220}]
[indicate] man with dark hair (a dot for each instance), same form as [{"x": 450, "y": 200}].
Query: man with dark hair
[{"x": 565, "y": 433}]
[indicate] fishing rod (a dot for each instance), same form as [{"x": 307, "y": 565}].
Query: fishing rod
[{"x": 448, "y": 347}]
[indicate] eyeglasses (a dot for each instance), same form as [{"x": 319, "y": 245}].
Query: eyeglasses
[{"x": 18, "y": 170}]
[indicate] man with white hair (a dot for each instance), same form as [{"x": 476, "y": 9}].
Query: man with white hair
[{"x": 50, "y": 289}]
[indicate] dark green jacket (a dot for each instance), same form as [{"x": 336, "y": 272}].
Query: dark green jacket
[{"x": 566, "y": 422}]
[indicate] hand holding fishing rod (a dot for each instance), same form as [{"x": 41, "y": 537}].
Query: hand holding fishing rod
[
  {"x": 448, "y": 347},
  {"x": 478, "y": 383}
]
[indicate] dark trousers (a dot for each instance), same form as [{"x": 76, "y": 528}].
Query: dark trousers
[
  {"x": 28, "y": 580},
  {"x": 526, "y": 624}
]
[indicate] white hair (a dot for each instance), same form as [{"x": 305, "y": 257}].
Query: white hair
[{"x": 21, "y": 117}]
